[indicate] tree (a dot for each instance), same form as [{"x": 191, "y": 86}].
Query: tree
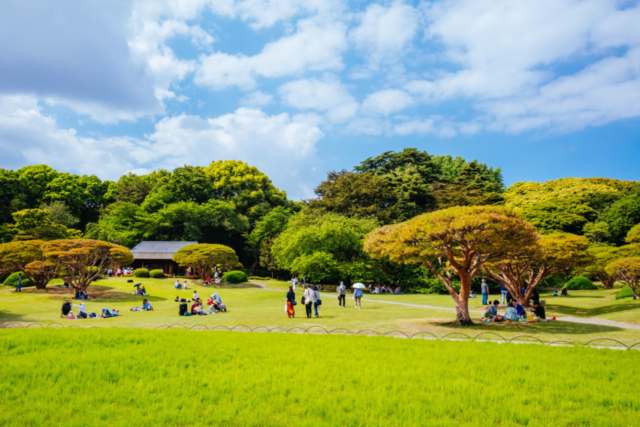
[
  {"x": 388, "y": 162},
  {"x": 250, "y": 191},
  {"x": 33, "y": 182},
  {"x": 324, "y": 246},
  {"x": 622, "y": 216},
  {"x": 35, "y": 224},
  {"x": 202, "y": 257},
  {"x": 261, "y": 238},
  {"x": 633, "y": 236},
  {"x": 28, "y": 257},
  {"x": 85, "y": 260},
  {"x": 122, "y": 223},
  {"x": 597, "y": 232},
  {"x": 357, "y": 195},
  {"x": 457, "y": 240},
  {"x": 8, "y": 191},
  {"x": 473, "y": 187},
  {"x": 627, "y": 270},
  {"x": 59, "y": 213},
  {"x": 534, "y": 259},
  {"x": 414, "y": 194},
  {"x": 602, "y": 255}
]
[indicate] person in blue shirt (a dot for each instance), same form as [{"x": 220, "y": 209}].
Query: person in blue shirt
[
  {"x": 511, "y": 313},
  {"x": 19, "y": 287},
  {"x": 519, "y": 309},
  {"x": 504, "y": 292},
  {"x": 146, "y": 305},
  {"x": 357, "y": 295},
  {"x": 485, "y": 292}
]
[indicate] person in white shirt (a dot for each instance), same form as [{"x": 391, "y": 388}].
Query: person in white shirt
[
  {"x": 195, "y": 295},
  {"x": 308, "y": 300},
  {"x": 316, "y": 300},
  {"x": 82, "y": 313}
]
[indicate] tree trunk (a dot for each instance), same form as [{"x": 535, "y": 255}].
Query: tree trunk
[
  {"x": 607, "y": 282},
  {"x": 253, "y": 267},
  {"x": 462, "y": 311}
]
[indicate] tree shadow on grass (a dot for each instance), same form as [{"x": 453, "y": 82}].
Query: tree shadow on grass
[
  {"x": 100, "y": 293},
  {"x": 556, "y": 327},
  {"x": 596, "y": 311}
]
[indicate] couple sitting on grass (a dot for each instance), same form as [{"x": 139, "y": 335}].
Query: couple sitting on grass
[
  {"x": 145, "y": 306},
  {"x": 515, "y": 312}
]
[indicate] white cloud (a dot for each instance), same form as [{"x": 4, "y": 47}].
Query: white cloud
[
  {"x": 387, "y": 101},
  {"x": 256, "y": 99},
  {"x": 281, "y": 146},
  {"x": 313, "y": 47},
  {"x": 385, "y": 31},
  {"x": 327, "y": 95}
]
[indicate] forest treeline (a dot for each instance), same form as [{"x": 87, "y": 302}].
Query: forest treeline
[{"x": 235, "y": 204}]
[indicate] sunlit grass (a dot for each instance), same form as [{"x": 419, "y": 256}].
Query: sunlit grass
[{"x": 121, "y": 377}]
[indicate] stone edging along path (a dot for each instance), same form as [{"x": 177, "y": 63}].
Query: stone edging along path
[{"x": 597, "y": 322}]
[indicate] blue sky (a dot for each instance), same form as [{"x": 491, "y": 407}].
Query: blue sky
[{"x": 543, "y": 89}]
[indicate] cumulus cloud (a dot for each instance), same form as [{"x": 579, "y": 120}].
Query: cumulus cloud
[
  {"x": 313, "y": 47},
  {"x": 283, "y": 147},
  {"x": 327, "y": 95},
  {"x": 387, "y": 101}
]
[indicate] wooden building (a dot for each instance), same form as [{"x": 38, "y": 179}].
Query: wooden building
[{"x": 158, "y": 255}]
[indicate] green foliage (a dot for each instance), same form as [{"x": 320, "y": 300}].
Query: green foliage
[
  {"x": 35, "y": 224},
  {"x": 625, "y": 292},
  {"x": 566, "y": 204},
  {"x": 12, "y": 280},
  {"x": 60, "y": 214},
  {"x": 325, "y": 246},
  {"x": 203, "y": 257},
  {"x": 622, "y": 216},
  {"x": 157, "y": 274},
  {"x": 389, "y": 162},
  {"x": 235, "y": 277},
  {"x": 580, "y": 283},
  {"x": 597, "y": 232},
  {"x": 140, "y": 272},
  {"x": 633, "y": 236}
]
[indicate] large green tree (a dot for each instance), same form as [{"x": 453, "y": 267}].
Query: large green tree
[
  {"x": 324, "y": 246},
  {"x": 29, "y": 258},
  {"x": 203, "y": 257}
]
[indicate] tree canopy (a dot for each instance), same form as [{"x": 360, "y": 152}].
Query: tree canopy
[
  {"x": 454, "y": 241},
  {"x": 627, "y": 270},
  {"x": 202, "y": 257},
  {"x": 29, "y": 258}
]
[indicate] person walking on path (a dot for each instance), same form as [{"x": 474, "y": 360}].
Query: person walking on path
[
  {"x": 19, "y": 287},
  {"x": 291, "y": 299},
  {"x": 342, "y": 295},
  {"x": 357, "y": 295},
  {"x": 316, "y": 299},
  {"x": 485, "y": 292},
  {"x": 504, "y": 292},
  {"x": 308, "y": 300}
]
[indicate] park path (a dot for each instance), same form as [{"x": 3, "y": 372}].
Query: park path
[{"x": 597, "y": 322}]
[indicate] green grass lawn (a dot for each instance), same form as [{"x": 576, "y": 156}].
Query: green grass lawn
[
  {"x": 120, "y": 377},
  {"x": 252, "y": 306}
]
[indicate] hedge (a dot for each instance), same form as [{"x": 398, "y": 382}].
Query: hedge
[
  {"x": 13, "y": 280},
  {"x": 157, "y": 274},
  {"x": 140, "y": 272},
  {"x": 625, "y": 292},
  {"x": 580, "y": 283},
  {"x": 235, "y": 277}
]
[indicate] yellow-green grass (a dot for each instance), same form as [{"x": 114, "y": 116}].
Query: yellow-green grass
[
  {"x": 118, "y": 377},
  {"x": 255, "y": 307}
]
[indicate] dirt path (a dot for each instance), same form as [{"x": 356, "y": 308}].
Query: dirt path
[{"x": 597, "y": 322}]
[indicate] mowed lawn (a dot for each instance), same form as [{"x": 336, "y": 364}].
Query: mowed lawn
[
  {"x": 253, "y": 306},
  {"x": 122, "y": 377}
]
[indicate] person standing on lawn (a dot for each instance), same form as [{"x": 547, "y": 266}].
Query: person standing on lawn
[
  {"x": 357, "y": 295},
  {"x": 308, "y": 300},
  {"x": 19, "y": 287},
  {"x": 485, "y": 292},
  {"x": 316, "y": 299},
  {"x": 291, "y": 298},
  {"x": 504, "y": 292},
  {"x": 342, "y": 295}
]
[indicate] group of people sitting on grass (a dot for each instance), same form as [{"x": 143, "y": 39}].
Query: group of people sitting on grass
[
  {"x": 145, "y": 306},
  {"x": 376, "y": 289},
  {"x": 82, "y": 312},
  {"x": 140, "y": 291},
  {"x": 119, "y": 272},
  {"x": 179, "y": 286},
  {"x": 515, "y": 312},
  {"x": 217, "y": 280},
  {"x": 81, "y": 295},
  {"x": 563, "y": 293},
  {"x": 198, "y": 309}
]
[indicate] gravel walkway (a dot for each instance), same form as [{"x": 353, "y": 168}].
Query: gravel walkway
[{"x": 598, "y": 322}]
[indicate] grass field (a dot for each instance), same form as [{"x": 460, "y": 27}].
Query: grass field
[
  {"x": 252, "y": 306},
  {"x": 121, "y": 377}
]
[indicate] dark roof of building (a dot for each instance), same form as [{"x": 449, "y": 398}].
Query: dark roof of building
[{"x": 157, "y": 250}]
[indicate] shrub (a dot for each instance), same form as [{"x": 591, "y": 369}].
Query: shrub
[
  {"x": 580, "y": 283},
  {"x": 625, "y": 292},
  {"x": 157, "y": 274},
  {"x": 140, "y": 272},
  {"x": 235, "y": 277},
  {"x": 13, "y": 280}
]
